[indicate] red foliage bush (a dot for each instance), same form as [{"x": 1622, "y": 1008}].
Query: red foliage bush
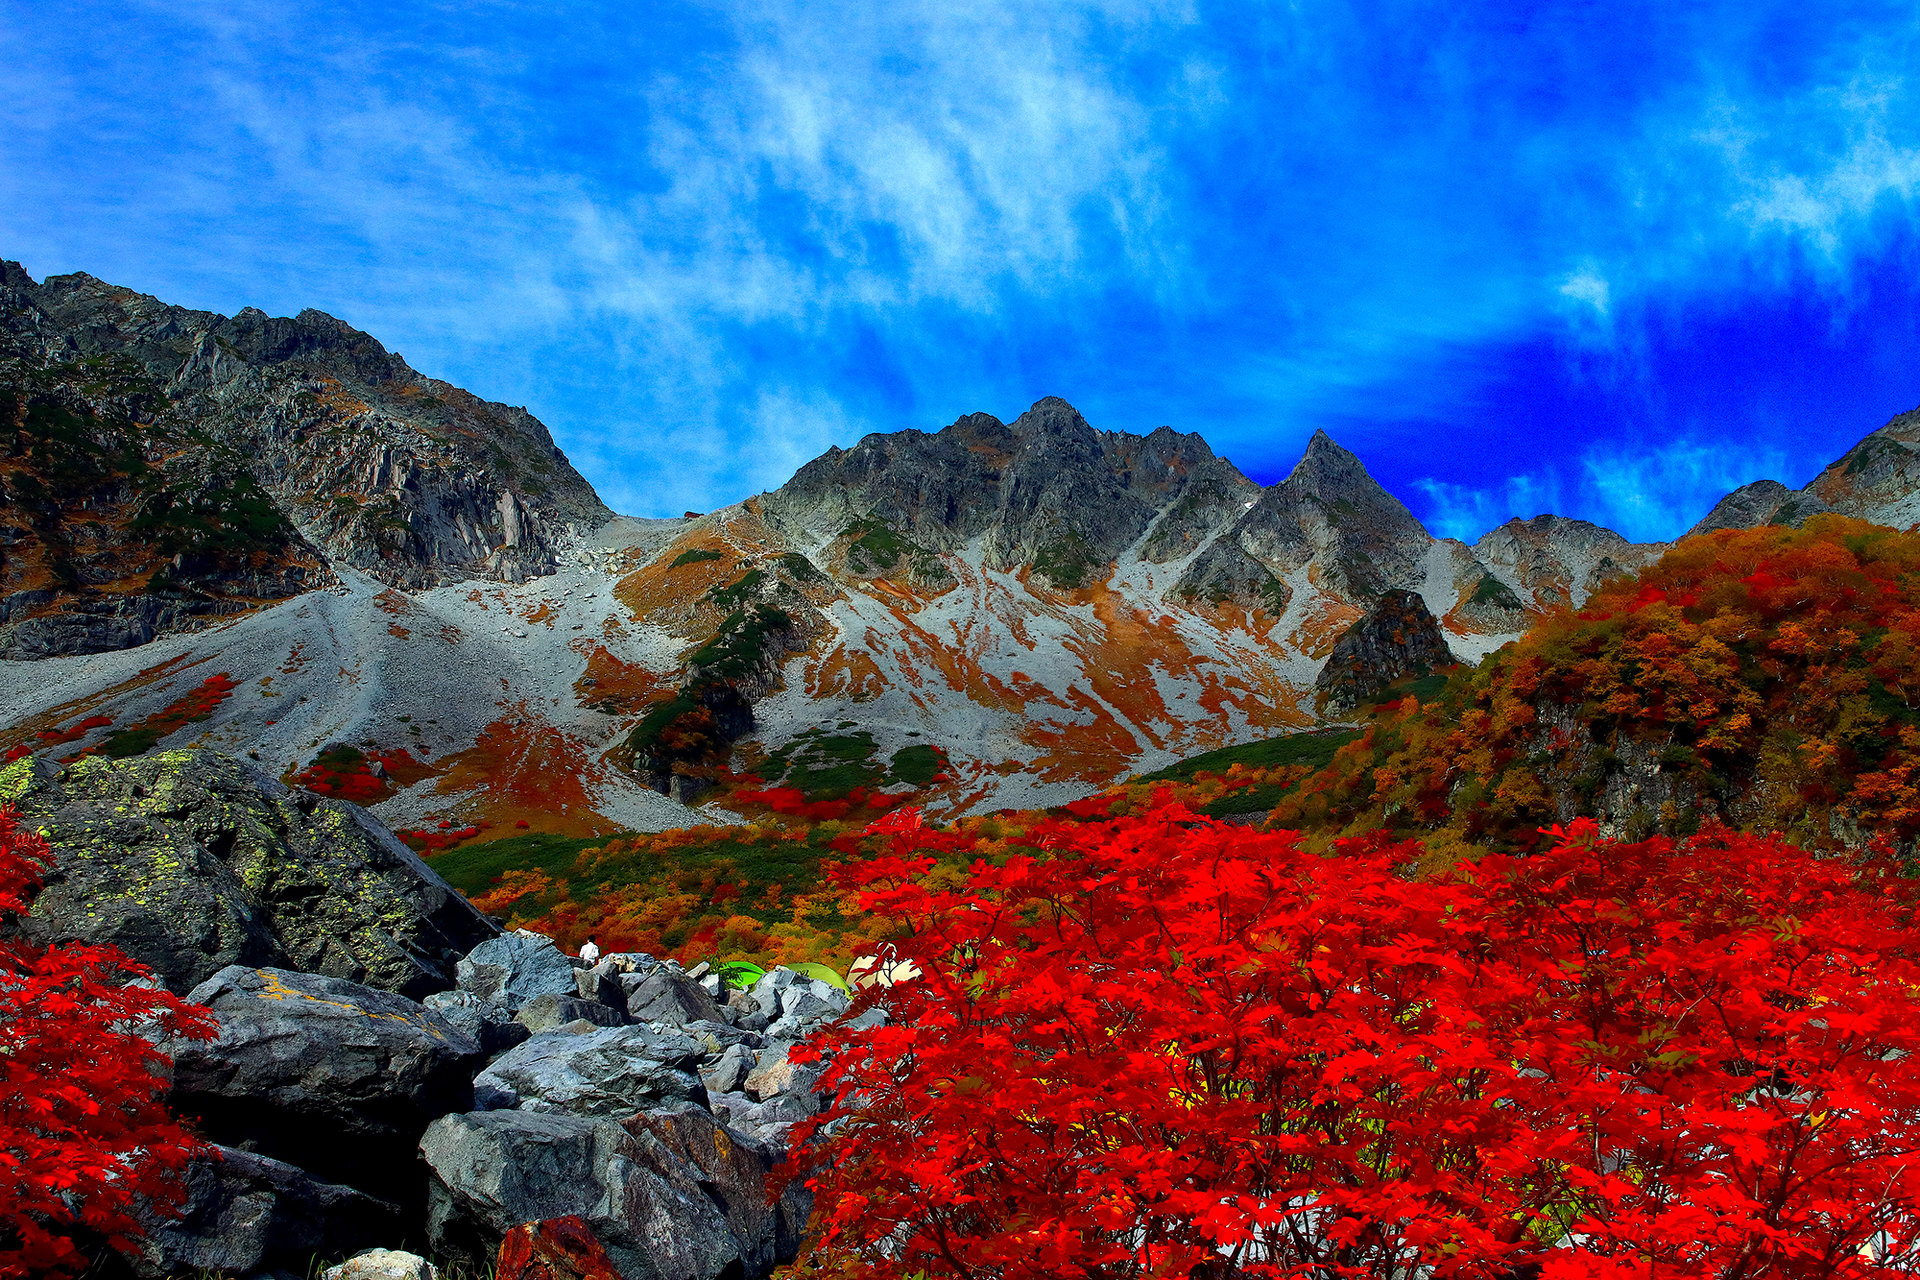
[
  {"x": 1165, "y": 1047},
  {"x": 84, "y": 1130}
]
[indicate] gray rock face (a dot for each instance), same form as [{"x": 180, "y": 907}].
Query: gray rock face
[
  {"x": 728, "y": 1073},
  {"x": 659, "y": 1213},
  {"x": 481, "y": 1021},
  {"x": 1397, "y": 637},
  {"x": 190, "y": 861},
  {"x": 668, "y": 996},
  {"x": 734, "y": 1171},
  {"x": 1553, "y": 560},
  {"x": 339, "y": 1077},
  {"x": 246, "y": 1212},
  {"x": 544, "y": 1013},
  {"x": 608, "y": 1071},
  {"x": 1878, "y": 479},
  {"x": 1046, "y": 491},
  {"x": 513, "y": 968},
  {"x": 1327, "y": 512},
  {"x": 1749, "y": 507}
]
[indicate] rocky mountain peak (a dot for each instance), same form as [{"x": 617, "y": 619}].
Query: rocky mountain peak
[
  {"x": 266, "y": 443},
  {"x": 1046, "y": 491},
  {"x": 1752, "y": 505},
  {"x": 1329, "y": 511}
]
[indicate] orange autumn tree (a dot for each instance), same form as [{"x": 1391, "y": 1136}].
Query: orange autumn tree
[
  {"x": 1158, "y": 1046},
  {"x": 1767, "y": 677},
  {"x": 85, "y": 1137}
]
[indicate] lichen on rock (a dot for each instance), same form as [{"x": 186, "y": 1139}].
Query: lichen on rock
[{"x": 191, "y": 861}]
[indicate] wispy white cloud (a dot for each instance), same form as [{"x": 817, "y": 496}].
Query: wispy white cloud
[{"x": 704, "y": 240}]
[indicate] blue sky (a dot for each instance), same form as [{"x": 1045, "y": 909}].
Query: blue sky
[{"x": 1608, "y": 259}]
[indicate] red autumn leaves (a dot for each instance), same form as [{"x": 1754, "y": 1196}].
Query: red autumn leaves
[
  {"x": 84, "y": 1131},
  {"x": 1169, "y": 1048}
]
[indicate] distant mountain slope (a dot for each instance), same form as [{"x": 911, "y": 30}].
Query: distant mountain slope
[
  {"x": 1876, "y": 480},
  {"x": 391, "y": 590},
  {"x": 377, "y": 467}
]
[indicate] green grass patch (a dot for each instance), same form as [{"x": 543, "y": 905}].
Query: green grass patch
[
  {"x": 1491, "y": 591},
  {"x": 694, "y": 557},
  {"x": 801, "y": 569},
  {"x": 734, "y": 596},
  {"x": 825, "y": 766},
  {"x": 736, "y": 650},
  {"x": 1065, "y": 561},
  {"x": 473, "y": 868},
  {"x": 1314, "y": 749},
  {"x": 916, "y": 765},
  {"x": 882, "y": 547}
]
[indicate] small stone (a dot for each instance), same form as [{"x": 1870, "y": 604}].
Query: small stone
[{"x": 383, "y": 1264}]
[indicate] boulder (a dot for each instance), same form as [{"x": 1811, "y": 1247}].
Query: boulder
[
  {"x": 766, "y": 1121},
  {"x": 245, "y": 1212},
  {"x": 383, "y": 1264},
  {"x": 602, "y": 985},
  {"x": 339, "y": 1077},
  {"x": 664, "y": 994},
  {"x": 813, "y": 1001},
  {"x": 774, "y": 1075},
  {"x": 190, "y": 861},
  {"x": 544, "y": 1013},
  {"x": 645, "y": 1203},
  {"x": 735, "y": 1171},
  {"x": 514, "y": 968},
  {"x": 486, "y": 1023},
  {"x": 607, "y": 1071},
  {"x": 720, "y": 1035},
  {"x": 728, "y": 1072}
]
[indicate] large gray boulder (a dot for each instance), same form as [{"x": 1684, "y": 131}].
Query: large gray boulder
[
  {"x": 245, "y": 1212},
  {"x": 545, "y": 1013},
  {"x": 610, "y": 1071},
  {"x": 670, "y": 1198},
  {"x": 513, "y": 968},
  {"x": 190, "y": 861},
  {"x": 665, "y": 994},
  {"x": 338, "y": 1078}
]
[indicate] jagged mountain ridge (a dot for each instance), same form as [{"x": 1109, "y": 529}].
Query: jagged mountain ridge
[
  {"x": 1877, "y": 480},
  {"x": 1051, "y": 604},
  {"x": 373, "y": 465}
]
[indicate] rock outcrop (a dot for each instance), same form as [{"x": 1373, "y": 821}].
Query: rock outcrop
[
  {"x": 190, "y": 861},
  {"x": 1397, "y": 637}
]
